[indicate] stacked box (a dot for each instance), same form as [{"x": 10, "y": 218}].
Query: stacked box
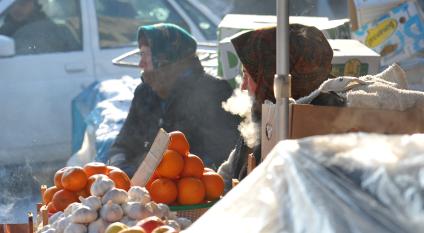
[
  {"x": 352, "y": 58},
  {"x": 396, "y": 35}
]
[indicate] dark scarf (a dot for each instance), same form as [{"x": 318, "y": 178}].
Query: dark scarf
[
  {"x": 169, "y": 43},
  {"x": 310, "y": 59}
]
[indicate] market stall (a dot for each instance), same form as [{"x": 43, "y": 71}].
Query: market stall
[{"x": 362, "y": 180}]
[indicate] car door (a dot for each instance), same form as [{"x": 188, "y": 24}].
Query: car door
[
  {"x": 117, "y": 22},
  {"x": 39, "y": 79}
]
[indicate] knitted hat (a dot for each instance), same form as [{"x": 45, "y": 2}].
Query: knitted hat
[
  {"x": 168, "y": 43},
  {"x": 310, "y": 59}
]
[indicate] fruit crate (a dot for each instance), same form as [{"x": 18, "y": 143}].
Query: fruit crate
[{"x": 192, "y": 212}]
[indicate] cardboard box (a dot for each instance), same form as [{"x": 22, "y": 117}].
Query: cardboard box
[
  {"x": 396, "y": 35},
  {"x": 229, "y": 63},
  {"x": 365, "y": 11},
  {"x": 310, "y": 120},
  {"x": 231, "y": 24},
  {"x": 352, "y": 58}
]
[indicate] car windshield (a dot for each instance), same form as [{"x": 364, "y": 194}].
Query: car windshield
[
  {"x": 70, "y": 71},
  {"x": 117, "y": 20}
]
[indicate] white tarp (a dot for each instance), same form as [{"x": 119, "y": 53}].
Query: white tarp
[{"x": 336, "y": 183}]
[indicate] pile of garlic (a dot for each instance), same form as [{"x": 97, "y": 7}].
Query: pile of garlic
[{"x": 107, "y": 205}]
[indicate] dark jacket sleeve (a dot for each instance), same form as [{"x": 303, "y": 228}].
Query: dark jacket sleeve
[
  {"x": 216, "y": 132},
  {"x": 137, "y": 133}
]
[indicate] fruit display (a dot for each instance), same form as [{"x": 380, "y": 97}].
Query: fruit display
[
  {"x": 90, "y": 200},
  {"x": 72, "y": 182},
  {"x": 181, "y": 177}
]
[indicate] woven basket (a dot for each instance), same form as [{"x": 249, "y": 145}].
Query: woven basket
[{"x": 192, "y": 212}]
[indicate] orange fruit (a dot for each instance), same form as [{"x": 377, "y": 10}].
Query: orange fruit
[
  {"x": 58, "y": 177},
  {"x": 48, "y": 194},
  {"x": 62, "y": 198},
  {"x": 51, "y": 208},
  {"x": 171, "y": 165},
  {"x": 111, "y": 168},
  {"x": 163, "y": 190},
  {"x": 93, "y": 168},
  {"x": 207, "y": 169},
  {"x": 191, "y": 191},
  {"x": 214, "y": 185},
  {"x": 74, "y": 179},
  {"x": 150, "y": 181},
  {"x": 83, "y": 193},
  {"x": 178, "y": 142},
  {"x": 120, "y": 178},
  {"x": 193, "y": 166}
]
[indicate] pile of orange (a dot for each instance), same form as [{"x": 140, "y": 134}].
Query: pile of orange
[
  {"x": 72, "y": 182},
  {"x": 181, "y": 177}
]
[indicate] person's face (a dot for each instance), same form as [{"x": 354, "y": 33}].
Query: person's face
[
  {"x": 145, "y": 63},
  {"x": 248, "y": 83},
  {"x": 21, "y": 9}
]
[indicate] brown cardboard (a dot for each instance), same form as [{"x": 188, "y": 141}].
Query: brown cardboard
[{"x": 310, "y": 120}]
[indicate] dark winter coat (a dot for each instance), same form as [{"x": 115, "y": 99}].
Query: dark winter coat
[{"x": 193, "y": 107}]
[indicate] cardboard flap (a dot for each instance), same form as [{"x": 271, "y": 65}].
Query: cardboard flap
[
  {"x": 272, "y": 118},
  {"x": 152, "y": 160},
  {"x": 310, "y": 120}
]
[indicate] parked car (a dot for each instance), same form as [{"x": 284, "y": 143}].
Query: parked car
[{"x": 38, "y": 83}]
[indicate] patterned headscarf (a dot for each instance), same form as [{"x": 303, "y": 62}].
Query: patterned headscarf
[
  {"x": 168, "y": 42},
  {"x": 310, "y": 59}
]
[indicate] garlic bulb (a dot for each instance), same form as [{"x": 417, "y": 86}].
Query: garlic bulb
[
  {"x": 98, "y": 226},
  {"x": 61, "y": 224},
  {"x": 136, "y": 210},
  {"x": 174, "y": 224},
  {"x": 137, "y": 193},
  {"x": 84, "y": 214},
  {"x": 128, "y": 221},
  {"x": 115, "y": 195},
  {"x": 163, "y": 210},
  {"x": 71, "y": 207},
  {"x": 92, "y": 201},
  {"x": 55, "y": 217},
  {"x": 101, "y": 185},
  {"x": 111, "y": 212},
  {"x": 184, "y": 223},
  {"x": 153, "y": 208},
  {"x": 75, "y": 228}
]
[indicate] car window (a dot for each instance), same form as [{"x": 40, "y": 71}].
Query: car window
[
  {"x": 206, "y": 26},
  {"x": 44, "y": 26},
  {"x": 118, "y": 20}
]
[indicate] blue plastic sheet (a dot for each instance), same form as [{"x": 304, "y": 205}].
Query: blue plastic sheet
[{"x": 101, "y": 109}]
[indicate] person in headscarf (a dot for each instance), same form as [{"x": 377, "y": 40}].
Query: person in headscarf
[
  {"x": 175, "y": 94},
  {"x": 310, "y": 58}
]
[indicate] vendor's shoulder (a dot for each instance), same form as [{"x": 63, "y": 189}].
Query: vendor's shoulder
[
  {"x": 142, "y": 87},
  {"x": 143, "y": 91},
  {"x": 215, "y": 84}
]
